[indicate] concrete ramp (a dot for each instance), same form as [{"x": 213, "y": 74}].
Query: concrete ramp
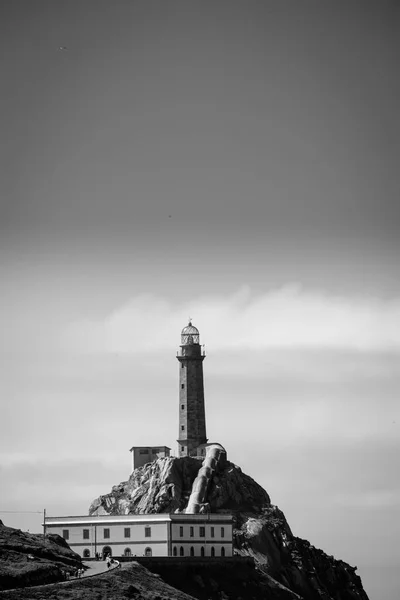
[{"x": 215, "y": 459}]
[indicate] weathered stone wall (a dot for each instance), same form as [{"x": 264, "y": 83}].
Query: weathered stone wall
[{"x": 235, "y": 578}]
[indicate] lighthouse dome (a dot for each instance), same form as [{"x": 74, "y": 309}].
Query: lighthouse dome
[{"x": 190, "y": 335}]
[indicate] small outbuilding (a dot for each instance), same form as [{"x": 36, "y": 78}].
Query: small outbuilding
[{"x": 142, "y": 455}]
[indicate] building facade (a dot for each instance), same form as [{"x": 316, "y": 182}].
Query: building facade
[
  {"x": 201, "y": 535},
  {"x": 142, "y": 455},
  {"x": 208, "y": 535},
  {"x": 192, "y": 418}
]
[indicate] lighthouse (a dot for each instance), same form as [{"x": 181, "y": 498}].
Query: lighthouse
[{"x": 192, "y": 417}]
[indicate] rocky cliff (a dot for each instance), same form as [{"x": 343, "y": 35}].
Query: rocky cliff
[
  {"x": 27, "y": 559},
  {"x": 261, "y": 530}
]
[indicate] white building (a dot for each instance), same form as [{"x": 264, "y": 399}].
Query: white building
[{"x": 146, "y": 535}]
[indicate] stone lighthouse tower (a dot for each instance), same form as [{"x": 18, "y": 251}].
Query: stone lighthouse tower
[{"x": 192, "y": 418}]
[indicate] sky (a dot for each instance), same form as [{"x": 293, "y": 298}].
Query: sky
[{"x": 233, "y": 162}]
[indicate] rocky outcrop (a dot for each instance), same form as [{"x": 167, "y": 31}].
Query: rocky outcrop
[
  {"x": 261, "y": 530},
  {"x": 161, "y": 486},
  {"x": 27, "y": 559},
  {"x": 165, "y": 486},
  {"x": 292, "y": 561}
]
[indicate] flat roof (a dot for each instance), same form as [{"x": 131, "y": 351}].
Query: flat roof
[
  {"x": 147, "y": 518},
  {"x": 150, "y": 447}
]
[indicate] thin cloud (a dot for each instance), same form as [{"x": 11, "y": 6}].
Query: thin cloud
[{"x": 288, "y": 317}]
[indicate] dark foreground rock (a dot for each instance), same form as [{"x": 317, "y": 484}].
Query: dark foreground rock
[
  {"x": 261, "y": 529},
  {"x": 132, "y": 581},
  {"x": 27, "y": 559}
]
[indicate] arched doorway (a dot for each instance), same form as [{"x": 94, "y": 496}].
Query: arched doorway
[
  {"x": 106, "y": 550},
  {"x": 212, "y": 551},
  {"x": 86, "y": 553},
  {"x": 175, "y": 551},
  {"x": 222, "y": 551},
  {"x": 148, "y": 552},
  {"x": 128, "y": 552},
  {"x": 191, "y": 551},
  {"x": 202, "y": 551}
]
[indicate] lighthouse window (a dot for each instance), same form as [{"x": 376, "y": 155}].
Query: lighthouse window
[
  {"x": 183, "y": 427},
  {"x": 182, "y": 406},
  {"x": 183, "y": 366},
  {"x": 183, "y": 386},
  {"x": 182, "y": 448}
]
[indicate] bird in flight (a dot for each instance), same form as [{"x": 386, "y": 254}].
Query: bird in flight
[{"x": 62, "y": 48}]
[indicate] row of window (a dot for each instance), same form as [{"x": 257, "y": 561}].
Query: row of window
[
  {"x": 148, "y": 552},
  {"x": 147, "y": 532},
  {"x": 202, "y": 551},
  {"x": 106, "y": 533},
  {"x": 127, "y": 552},
  {"x": 202, "y": 531},
  {"x": 147, "y": 451}
]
